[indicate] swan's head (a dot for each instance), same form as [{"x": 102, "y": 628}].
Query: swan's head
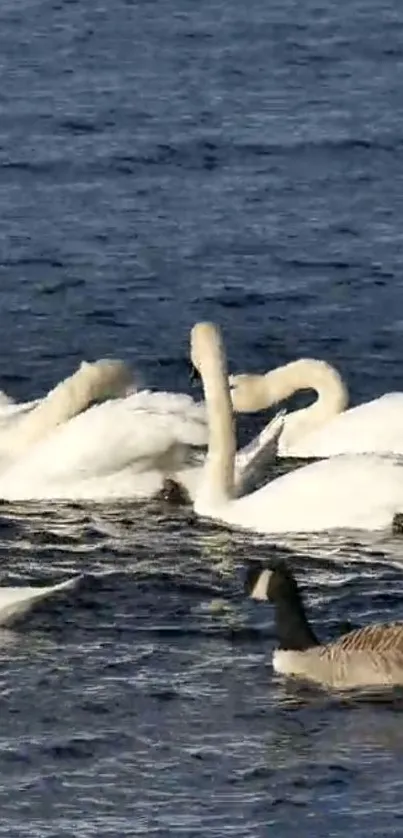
[
  {"x": 108, "y": 378},
  {"x": 205, "y": 345},
  {"x": 248, "y": 393}
]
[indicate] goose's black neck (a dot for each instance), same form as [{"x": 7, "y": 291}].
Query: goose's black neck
[{"x": 293, "y": 629}]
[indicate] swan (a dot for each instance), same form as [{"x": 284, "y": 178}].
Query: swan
[
  {"x": 16, "y": 601},
  {"x": 354, "y": 492},
  {"x": 127, "y": 447},
  {"x": 21, "y": 426},
  {"x": 325, "y": 428},
  {"x": 365, "y": 657}
]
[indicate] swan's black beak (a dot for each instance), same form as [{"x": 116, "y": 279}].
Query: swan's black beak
[{"x": 194, "y": 374}]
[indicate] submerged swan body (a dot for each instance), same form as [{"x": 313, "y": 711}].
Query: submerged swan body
[
  {"x": 17, "y": 601},
  {"x": 366, "y": 657},
  {"x": 325, "y": 428},
  {"x": 355, "y": 492}
]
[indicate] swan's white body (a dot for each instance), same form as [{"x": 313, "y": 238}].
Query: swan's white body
[
  {"x": 16, "y": 601},
  {"x": 121, "y": 448},
  {"x": 125, "y": 448},
  {"x": 355, "y": 492},
  {"x": 325, "y": 428},
  {"x": 374, "y": 427},
  {"x": 359, "y": 492}
]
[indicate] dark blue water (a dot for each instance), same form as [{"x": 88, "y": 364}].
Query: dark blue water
[{"x": 162, "y": 162}]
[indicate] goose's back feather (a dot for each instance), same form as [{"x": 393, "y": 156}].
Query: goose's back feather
[{"x": 379, "y": 637}]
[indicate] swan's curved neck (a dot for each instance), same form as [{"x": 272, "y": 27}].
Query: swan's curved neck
[
  {"x": 307, "y": 374},
  {"x": 217, "y": 484},
  {"x": 69, "y": 397}
]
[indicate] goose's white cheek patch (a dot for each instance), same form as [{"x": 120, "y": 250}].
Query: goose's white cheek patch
[{"x": 284, "y": 663}]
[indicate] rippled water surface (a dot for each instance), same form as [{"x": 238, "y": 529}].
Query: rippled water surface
[{"x": 163, "y": 162}]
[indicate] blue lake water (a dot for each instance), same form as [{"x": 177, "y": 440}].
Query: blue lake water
[{"x": 164, "y": 161}]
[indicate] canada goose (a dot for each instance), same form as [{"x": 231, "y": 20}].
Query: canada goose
[{"x": 366, "y": 657}]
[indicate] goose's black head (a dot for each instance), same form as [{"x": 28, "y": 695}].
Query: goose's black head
[
  {"x": 280, "y": 587},
  {"x": 262, "y": 583}
]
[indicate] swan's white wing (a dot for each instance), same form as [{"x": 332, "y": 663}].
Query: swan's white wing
[
  {"x": 15, "y": 601},
  {"x": 374, "y": 427},
  {"x": 253, "y": 459}
]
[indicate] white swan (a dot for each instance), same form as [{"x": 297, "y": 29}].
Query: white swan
[
  {"x": 16, "y": 601},
  {"x": 358, "y": 492},
  {"x": 325, "y": 428},
  {"x": 21, "y": 426},
  {"x": 126, "y": 448}
]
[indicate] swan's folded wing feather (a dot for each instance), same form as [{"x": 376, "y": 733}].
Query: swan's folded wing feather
[{"x": 253, "y": 459}]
